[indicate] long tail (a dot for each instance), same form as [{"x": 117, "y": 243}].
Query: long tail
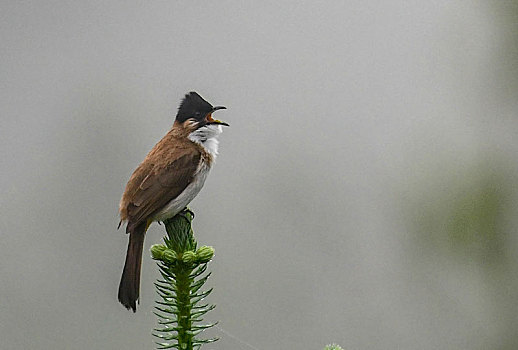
[{"x": 130, "y": 280}]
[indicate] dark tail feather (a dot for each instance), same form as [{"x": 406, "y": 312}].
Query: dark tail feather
[{"x": 130, "y": 280}]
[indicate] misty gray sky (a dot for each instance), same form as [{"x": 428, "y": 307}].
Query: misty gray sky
[{"x": 342, "y": 113}]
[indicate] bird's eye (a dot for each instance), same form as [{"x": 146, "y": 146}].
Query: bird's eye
[{"x": 197, "y": 115}]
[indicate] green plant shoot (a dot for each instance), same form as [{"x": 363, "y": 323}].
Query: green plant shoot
[{"x": 182, "y": 266}]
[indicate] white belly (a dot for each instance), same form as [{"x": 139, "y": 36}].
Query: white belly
[{"x": 176, "y": 205}]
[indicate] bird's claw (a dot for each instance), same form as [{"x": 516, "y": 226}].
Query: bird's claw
[{"x": 186, "y": 211}]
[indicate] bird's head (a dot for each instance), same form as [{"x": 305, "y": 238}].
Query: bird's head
[{"x": 197, "y": 112}]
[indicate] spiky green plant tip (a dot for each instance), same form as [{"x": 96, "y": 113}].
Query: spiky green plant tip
[
  {"x": 333, "y": 347},
  {"x": 181, "y": 265}
]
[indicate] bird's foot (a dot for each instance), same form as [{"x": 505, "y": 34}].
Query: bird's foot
[{"x": 186, "y": 211}]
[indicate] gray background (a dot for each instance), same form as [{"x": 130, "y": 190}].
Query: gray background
[{"x": 365, "y": 193}]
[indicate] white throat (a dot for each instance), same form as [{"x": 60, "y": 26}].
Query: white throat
[{"x": 207, "y": 136}]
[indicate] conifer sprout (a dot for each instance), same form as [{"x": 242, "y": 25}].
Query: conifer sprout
[{"x": 183, "y": 268}]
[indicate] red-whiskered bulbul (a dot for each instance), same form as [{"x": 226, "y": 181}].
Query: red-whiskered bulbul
[{"x": 168, "y": 179}]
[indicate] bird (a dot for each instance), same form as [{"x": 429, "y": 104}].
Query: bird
[{"x": 166, "y": 181}]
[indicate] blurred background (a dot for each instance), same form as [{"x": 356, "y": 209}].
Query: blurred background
[{"x": 365, "y": 193}]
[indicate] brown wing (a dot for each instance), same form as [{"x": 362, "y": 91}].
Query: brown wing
[{"x": 161, "y": 185}]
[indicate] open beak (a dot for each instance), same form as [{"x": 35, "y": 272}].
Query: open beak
[{"x": 211, "y": 120}]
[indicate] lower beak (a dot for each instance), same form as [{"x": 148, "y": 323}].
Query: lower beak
[
  {"x": 219, "y": 122},
  {"x": 215, "y": 121}
]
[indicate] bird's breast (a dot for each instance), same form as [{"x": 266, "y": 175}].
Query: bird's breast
[{"x": 177, "y": 204}]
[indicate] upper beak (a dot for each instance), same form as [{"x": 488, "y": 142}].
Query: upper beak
[{"x": 215, "y": 121}]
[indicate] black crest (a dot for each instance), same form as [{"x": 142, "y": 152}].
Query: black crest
[{"x": 193, "y": 106}]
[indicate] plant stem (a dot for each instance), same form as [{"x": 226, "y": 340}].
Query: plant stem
[{"x": 184, "y": 307}]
